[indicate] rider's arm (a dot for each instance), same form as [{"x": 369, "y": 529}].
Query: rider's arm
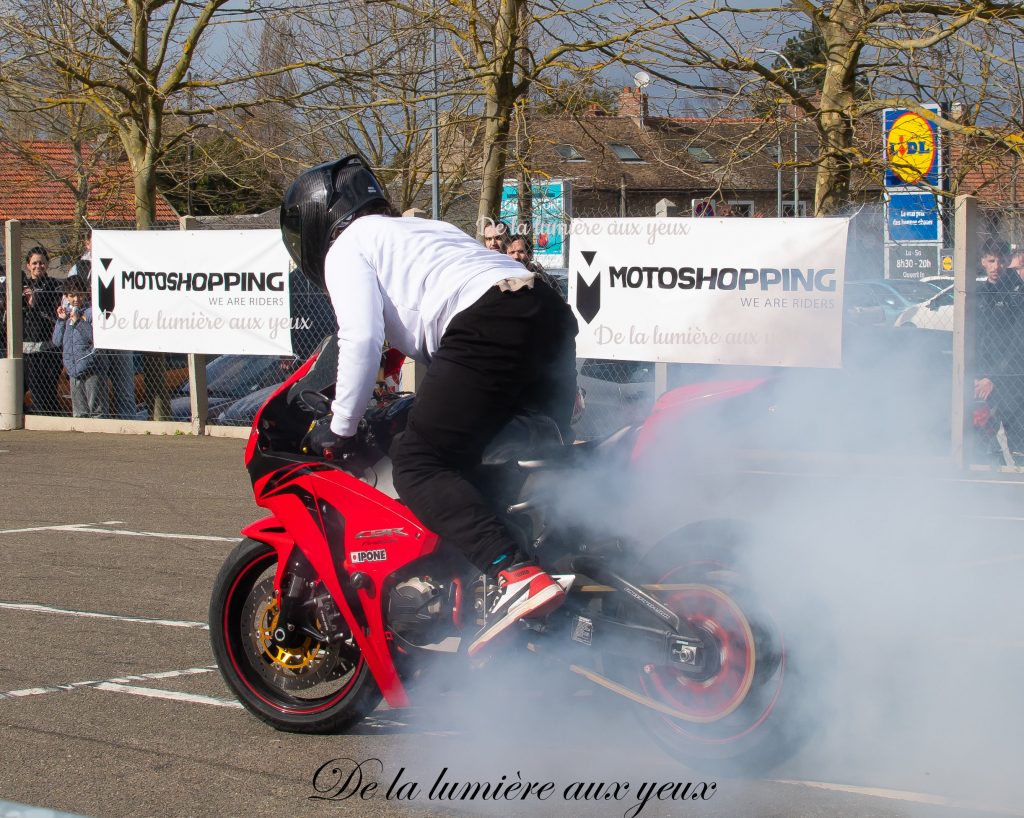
[{"x": 355, "y": 294}]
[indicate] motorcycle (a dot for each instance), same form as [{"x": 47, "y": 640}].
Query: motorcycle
[{"x": 341, "y": 597}]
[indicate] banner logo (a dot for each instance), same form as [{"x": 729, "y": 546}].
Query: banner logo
[
  {"x": 911, "y": 147},
  {"x": 588, "y": 296},
  {"x": 105, "y": 302}
]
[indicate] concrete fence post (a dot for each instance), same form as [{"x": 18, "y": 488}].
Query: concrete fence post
[
  {"x": 12, "y": 366},
  {"x": 199, "y": 402},
  {"x": 664, "y": 209},
  {"x": 965, "y": 255}
]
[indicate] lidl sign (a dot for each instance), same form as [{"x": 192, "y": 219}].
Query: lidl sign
[{"x": 912, "y": 148}]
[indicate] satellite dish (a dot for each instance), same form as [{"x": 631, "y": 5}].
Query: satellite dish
[{"x": 642, "y": 79}]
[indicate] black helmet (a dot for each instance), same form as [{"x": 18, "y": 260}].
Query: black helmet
[{"x": 320, "y": 202}]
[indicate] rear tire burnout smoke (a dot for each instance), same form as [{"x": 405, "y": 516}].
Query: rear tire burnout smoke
[{"x": 740, "y": 712}]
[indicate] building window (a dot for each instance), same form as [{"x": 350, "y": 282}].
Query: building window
[
  {"x": 772, "y": 151},
  {"x": 569, "y": 152},
  {"x": 701, "y": 154},
  {"x": 787, "y": 208},
  {"x": 625, "y": 153},
  {"x": 702, "y": 207},
  {"x": 742, "y": 209}
]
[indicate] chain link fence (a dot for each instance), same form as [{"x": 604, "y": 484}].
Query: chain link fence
[
  {"x": 995, "y": 359},
  {"x": 894, "y": 391}
]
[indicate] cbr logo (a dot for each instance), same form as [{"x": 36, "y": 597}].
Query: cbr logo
[
  {"x": 381, "y": 532},
  {"x": 377, "y": 555}
]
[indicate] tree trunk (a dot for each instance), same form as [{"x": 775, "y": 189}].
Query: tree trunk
[
  {"x": 500, "y": 92},
  {"x": 142, "y": 158},
  {"x": 836, "y": 111},
  {"x": 496, "y": 129}
]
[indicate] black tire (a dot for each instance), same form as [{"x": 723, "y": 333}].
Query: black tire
[
  {"x": 316, "y": 688},
  {"x": 742, "y": 716}
]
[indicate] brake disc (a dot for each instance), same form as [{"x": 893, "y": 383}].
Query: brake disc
[{"x": 295, "y": 668}]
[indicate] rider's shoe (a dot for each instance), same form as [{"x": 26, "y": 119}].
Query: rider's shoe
[{"x": 523, "y": 591}]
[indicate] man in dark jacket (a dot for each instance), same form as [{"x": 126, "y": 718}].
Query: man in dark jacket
[{"x": 999, "y": 350}]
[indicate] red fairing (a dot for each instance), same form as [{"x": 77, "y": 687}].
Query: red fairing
[
  {"x": 672, "y": 408},
  {"x": 250, "y": 446},
  {"x": 378, "y": 536}
]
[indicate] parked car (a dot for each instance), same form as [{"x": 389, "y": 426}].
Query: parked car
[
  {"x": 243, "y": 411},
  {"x": 229, "y": 378},
  {"x": 938, "y": 282},
  {"x": 175, "y": 374},
  {"x": 935, "y": 314},
  {"x": 881, "y": 301}
]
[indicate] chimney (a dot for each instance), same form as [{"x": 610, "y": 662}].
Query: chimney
[{"x": 633, "y": 103}]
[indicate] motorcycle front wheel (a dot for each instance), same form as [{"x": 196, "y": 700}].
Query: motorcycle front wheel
[{"x": 312, "y": 686}]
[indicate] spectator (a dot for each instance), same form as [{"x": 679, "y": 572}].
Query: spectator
[
  {"x": 117, "y": 365},
  {"x": 73, "y": 334},
  {"x": 1016, "y": 266},
  {"x": 496, "y": 236},
  {"x": 41, "y": 295},
  {"x": 83, "y": 267},
  {"x": 521, "y": 249},
  {"x": 999, "y": 361}
]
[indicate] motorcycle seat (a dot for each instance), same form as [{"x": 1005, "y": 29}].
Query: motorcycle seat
[{"x": 525, "y": 437}]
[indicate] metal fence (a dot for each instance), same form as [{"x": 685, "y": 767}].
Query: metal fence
[{"x": 905, "y": 345}]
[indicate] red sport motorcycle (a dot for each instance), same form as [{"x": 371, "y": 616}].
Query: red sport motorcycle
[{"x": 341, "y": 596}]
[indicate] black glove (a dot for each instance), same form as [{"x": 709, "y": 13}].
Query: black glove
[{"x": 323, "y": 442}]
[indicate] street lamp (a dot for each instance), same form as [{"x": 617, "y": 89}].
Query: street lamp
[{"x": 796, "y": 181}]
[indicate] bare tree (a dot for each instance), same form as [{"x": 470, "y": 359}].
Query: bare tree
[
  {"x": 864, "y": 45},
  {"x": 136, "y": 64}
]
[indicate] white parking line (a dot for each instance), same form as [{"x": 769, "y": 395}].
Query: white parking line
[
  {"x": 121, "y": 680},
  {"x": 172, "y": 623},
  {"x": 903, "y": 795},
  {"x": 91, "y": 528},
  {"x": 172, "y": 695}
]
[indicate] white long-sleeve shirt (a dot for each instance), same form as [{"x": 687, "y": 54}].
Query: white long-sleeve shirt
[{"x": 403, "y": 279}]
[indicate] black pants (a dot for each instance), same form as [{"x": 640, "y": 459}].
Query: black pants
[
  {"x": 508, "y": 353},
  {"x": 42, "y": 370}
]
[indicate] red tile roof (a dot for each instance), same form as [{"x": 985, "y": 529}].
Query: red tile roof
[{"x": 37, "y": 181}]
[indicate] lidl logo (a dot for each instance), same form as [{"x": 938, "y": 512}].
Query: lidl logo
[{"x": 911, "y": 150}]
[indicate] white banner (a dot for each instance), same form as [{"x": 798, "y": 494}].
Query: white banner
[
  {"x": 763, "y": 292},
  {"x": 209, "y": 291}
]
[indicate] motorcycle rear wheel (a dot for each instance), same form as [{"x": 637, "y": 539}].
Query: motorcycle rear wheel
[
  {"x": 313, "y": 687},
  {"x": 740, "y": 717}
]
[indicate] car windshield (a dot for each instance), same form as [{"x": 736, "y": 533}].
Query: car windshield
[
  {"x": 943, "y": 299},
  {"x": 913, "y": 291},
  {"x": 234, "y": 376}
]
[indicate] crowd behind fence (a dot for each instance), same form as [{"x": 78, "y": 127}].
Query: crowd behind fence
[{"x": 895, "y": 394}]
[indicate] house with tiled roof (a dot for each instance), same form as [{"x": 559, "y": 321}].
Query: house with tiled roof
[
  {"x": 622, "y": 164},
  {"x": 42, "y": 183}
]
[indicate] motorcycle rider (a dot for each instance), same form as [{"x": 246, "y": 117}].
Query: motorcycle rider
[{"x": 496, "y": 345}]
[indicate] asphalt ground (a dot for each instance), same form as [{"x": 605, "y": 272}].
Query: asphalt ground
[{"x": 110, "y": 704}]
